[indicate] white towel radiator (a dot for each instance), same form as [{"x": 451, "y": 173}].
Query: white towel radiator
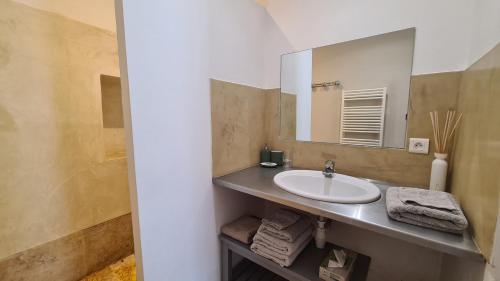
[{"x": 363, "y": 117}]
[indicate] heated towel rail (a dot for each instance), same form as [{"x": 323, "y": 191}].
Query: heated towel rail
[{"x": 363, "y": 117}]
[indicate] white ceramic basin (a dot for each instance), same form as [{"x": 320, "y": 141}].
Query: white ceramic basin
[{"x": 339, "y": 189}]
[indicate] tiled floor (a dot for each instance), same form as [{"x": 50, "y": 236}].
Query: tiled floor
[{"x": 123, "y": 270}]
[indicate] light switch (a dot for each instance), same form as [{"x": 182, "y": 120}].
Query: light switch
[{"x": 419, "y": 146}]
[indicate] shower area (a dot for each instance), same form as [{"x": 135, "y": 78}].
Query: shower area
[{"x": 64, "y": 198}]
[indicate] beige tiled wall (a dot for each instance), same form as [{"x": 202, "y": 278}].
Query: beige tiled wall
[
  {"x": 434, "y": 91},
  {"x": 288, "y": 116},
  {"x": 74, "y": 256},
  {"x": 238, "y": 122},
  {"x": 54, "y": 179},
  {"x": 476, "y": 173}
]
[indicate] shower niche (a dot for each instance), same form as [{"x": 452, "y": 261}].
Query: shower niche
[{"x": 112, "y": 117}]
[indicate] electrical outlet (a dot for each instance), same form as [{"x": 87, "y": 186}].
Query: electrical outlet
[{"x": 420, "y": 146}]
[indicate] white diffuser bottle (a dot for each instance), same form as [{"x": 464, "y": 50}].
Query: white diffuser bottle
[
  {"x": 443, "y": 137},
  {"x": 439, "y": 172},
  {"x": 320, "y": 237}
]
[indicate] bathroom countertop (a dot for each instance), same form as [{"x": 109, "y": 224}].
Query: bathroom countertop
[{"x": 258, "y": 182}]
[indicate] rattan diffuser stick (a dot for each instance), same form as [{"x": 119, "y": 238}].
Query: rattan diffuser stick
[{"x": 443, "y": 138}]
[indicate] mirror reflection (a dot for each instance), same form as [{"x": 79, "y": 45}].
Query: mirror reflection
[{"x": 353, "y": 93}]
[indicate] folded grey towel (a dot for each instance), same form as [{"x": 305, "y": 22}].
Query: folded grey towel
[
  {"x": 282, "y": 219},
  {"x": 281, "y": 246},
  {"x": 433, "y": 209},
  {"x": 242, "y": 229},
  {"x": 282, "y": 260},
  {"x": 290, "y": 233},
  {"x": 428, "y": 198}
]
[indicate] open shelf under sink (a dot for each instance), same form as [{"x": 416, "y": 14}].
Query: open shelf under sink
[{"x": 305, "y": 267}]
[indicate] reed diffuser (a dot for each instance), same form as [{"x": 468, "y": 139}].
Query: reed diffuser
[{"x": 443, "y": 138}]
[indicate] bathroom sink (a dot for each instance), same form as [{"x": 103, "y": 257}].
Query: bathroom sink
[{"x": 339, "y": 189}]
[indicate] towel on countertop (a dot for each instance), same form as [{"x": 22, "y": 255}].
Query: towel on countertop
[
  {"x": 290, "y": 233},
  {"x": 280, "y": 246},
  {"x": 281, "y": 259},
  {"x": 428, "y": 198},
  {"x": 282, "y": 219},
  {"x": 243, "y": 229},
  {"x": 433, "y": 209}
]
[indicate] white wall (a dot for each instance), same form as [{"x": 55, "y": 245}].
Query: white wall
[
  {"x": 99, "y": 13},
  {"x": 170, "y": 121},
  {"x": 278, "y": 45},
  {"x": 485, "y": 28},
  {"x": 443, "y": 27},
  {"x": 245, "y": 44},
  {"x": 296, "y": 79},
  {"x": 172, "y": 50}
]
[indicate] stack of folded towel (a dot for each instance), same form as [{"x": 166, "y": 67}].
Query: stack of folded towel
[
  {"x": 282, "y": 237},
  {"x": 433, "y": 209}
]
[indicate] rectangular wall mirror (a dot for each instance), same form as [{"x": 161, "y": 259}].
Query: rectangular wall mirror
[{"x": 353, "y": 93}]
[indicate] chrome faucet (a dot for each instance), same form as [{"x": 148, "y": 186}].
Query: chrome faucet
[{"x": 329, "y": 169}]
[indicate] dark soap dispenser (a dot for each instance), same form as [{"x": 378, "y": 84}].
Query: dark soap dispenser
[{"x": 265, "y": 155}]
